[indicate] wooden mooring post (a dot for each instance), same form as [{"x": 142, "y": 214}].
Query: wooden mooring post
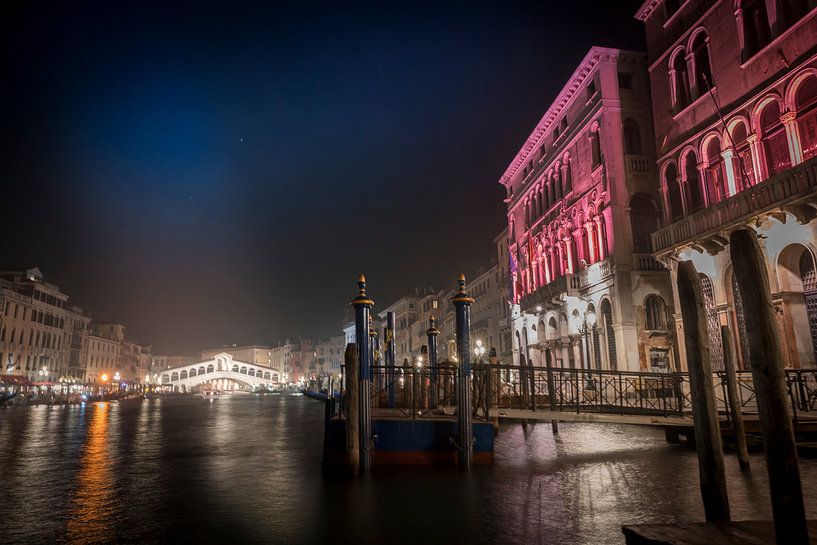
[
  {"x": 352, "y": 401},
  {"x": 733, "y": 399},
  {"x": 704, "y": 412},
  {"x": 770, "y": 389}
]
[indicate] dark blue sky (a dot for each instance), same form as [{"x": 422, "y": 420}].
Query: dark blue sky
[{"x": 212, "y": 173}]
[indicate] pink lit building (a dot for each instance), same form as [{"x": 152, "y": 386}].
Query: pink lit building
[
  {"x": 734, "y": 90},
  {"x": 582, "y": 196}
]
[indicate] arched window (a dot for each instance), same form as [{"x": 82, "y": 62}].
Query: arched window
[
  {"x": 655, "y": 313},
  {"x": 694, "y": 194},
  {"x": 713, "y": 325},
  {"x": 676, "y": 209},
  {"x": 643, "y": 222},
  {"x": 744, "y": 167},
  {"x": 595, "y": 146},
  {"x": 755, "y": 21},
  {"x": 557, "y": 179},
  {"x": 680, "y": 81},
  {"x": 539, "y": 205},
  {"x": 568, "y": 170},
  {"x": 773, "y": 136},
  {"x": 703, "y": 70},
  {"x": 551, "y": 191},
  {"x": 632, "y": 138},
  {"x": 715, "y": 172},
  {"x": 805, "y": 104},
  {"x": 609, "y": 333}
]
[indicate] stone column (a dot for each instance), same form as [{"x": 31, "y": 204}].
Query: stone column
[
  {"x": 758, "y": 163},
  {"x": 789, "y": 120},
  {"x": 728, "y": 157},
  {"x": 600, "y": 231}
]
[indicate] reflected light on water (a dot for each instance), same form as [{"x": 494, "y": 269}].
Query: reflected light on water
[{"x": 90, "y": 519}]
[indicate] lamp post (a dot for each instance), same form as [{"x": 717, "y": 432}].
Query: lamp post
[{"x": 585, "y": 324}]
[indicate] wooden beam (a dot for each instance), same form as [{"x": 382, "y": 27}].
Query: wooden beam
[
  {"x": 707, "y": 425},
  {"x": 770, "y": 389}
]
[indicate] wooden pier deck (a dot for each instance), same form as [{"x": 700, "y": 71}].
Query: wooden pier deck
[{"x": 750, "y": 532}]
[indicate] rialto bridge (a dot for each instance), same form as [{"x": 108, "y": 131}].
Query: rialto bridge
[{"x": 220, "y": 373}]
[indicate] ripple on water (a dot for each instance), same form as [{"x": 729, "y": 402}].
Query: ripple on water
[{"x": 248, "y": 470}]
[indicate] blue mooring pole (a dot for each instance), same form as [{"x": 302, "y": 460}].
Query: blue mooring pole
[
  {"x": 462, "y": 304},
  {"x": 390, "y": 355},
  {"x": 362, "y": 305},
  {"x": 432, "y": 333}
]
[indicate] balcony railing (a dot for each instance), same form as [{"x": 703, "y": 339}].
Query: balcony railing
[
  {"x": 545, "y": 295},
  {"x": 595, "y": 273},
  {"x": 638, "y": 165},
  {"x": 646, "y": 262},
  {"x": 775, "y": 192}
]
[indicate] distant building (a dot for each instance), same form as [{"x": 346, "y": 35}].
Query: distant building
[
  {"x": 257, "y": 354},
  {"x": 405, "y": 316},
  {"x": 754, "y": 168},
  {"x": 41, "y": 335},
  {"x": 329, "y": 355},
  {"x": 582, "y": 199}
]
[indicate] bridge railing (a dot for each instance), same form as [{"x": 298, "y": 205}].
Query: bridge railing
[{"x": 417, "y": 392}]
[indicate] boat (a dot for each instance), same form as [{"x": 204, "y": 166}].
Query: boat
[{"x": 208, "y": 394}]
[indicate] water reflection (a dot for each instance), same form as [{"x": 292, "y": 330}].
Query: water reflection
[
  {"x": 91, "y": 517},
  {"x": 246, "y": 469}
]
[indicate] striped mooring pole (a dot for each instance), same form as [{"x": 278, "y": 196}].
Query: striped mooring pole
[
  {"x": 432, "y": 333},
  {"x": 462, "y": 304},
  {"x": 363, "y": 305}
]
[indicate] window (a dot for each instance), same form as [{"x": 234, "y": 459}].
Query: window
[
  {"x": 773, "y": 136},
  {"x": 679, "y": 80},
  {"x": 744, "y": 167},
  {"x": 655, "y": 313},
  {"x": 793, "y": 10},
  {"x": 625, "y": 81},
  {"x": 715, "y": 173},
  {"x": 755, "y": 27},
  {"x": 591, "y": 89},
  {"x": 805, "y": 104},
  {"x": 568, "y": 177},
  {"x": 595, "y": 146},
  {"x": 694, "y": 194},
  {"x": 643, "y": 221},
  {"x": 672, "y": 182},
  {"x": 700, "y": 56},
  {"x": 632, "y": 138},
  {"x": 671, "y": 7}
]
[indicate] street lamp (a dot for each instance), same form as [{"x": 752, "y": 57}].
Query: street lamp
[
  {"x": 479, "y": 350},
  {"x": 584, "y": 325}
]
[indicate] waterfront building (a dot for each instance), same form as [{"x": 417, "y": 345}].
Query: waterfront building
[
  {"x": 101, "y": 358},
  {"x": 405, "y": 316},
  {"x": 486, "y": 311},
  {"x": 257, "y": 354},
  {"x": 329, "y": 355},
  {"x": 41, "y": 335},
  {"x": 427, "y": 306},
  {"x": 735, "y": 111},
  {"x": 582, "y": 198},
  {"x": 504, "y": 344}
]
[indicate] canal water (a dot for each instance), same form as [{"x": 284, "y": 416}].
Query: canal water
[{"x": 246, "y": 469}]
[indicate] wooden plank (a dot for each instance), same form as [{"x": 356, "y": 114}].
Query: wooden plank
[{"x": 706, "y": 533}]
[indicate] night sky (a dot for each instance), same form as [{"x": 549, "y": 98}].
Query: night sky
[{"x": 221, "y": 173}]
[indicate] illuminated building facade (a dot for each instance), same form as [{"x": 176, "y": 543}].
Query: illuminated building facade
[
  {"x": 582, "y": 197},
  {"x": 41, "y": 335},
  {"x": 751, "y": 165}
]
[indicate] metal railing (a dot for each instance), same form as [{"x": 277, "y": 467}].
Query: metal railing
[{"x": 424, "y": 392}]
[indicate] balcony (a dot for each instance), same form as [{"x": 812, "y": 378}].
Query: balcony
[
  {"x": 791, "y": 191},
  {"x": 550, "y": 295},
  {"x": 638, "y": 165},
  {"x": 647, "y": 262},
  {"x": 595, "y": 273}
]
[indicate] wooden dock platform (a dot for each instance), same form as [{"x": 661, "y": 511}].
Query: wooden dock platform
[{"x": 750, "y": 532}]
